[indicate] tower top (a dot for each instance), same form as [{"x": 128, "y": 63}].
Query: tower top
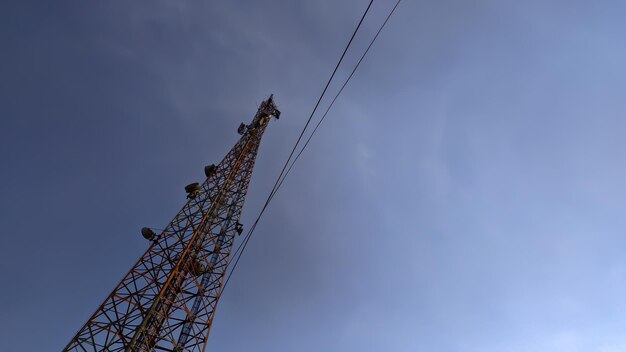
[{"x": 268, "y": 107}]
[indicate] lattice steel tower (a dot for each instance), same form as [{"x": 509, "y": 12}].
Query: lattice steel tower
[{"x": 167, "y": 300}]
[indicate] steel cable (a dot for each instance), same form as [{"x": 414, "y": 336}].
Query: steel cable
[{"x": 288, "y": 166}]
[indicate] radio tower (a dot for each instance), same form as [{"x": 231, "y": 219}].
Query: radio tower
[{"x": 167, "y": 300}]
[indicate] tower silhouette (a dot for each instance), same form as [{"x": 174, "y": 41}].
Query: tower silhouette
[{"x": 167, "y": 300}]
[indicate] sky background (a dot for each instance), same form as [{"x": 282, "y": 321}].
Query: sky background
[{"x": 465, "y": 194}]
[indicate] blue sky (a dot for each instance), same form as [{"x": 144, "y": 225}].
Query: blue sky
[{"x": 465, "y": 194}]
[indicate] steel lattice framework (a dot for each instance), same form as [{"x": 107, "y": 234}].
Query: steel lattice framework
[{"x": 167, "y": 300}]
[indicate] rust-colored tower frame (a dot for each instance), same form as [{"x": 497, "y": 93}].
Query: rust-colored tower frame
[{"x": 167, "y": 300}]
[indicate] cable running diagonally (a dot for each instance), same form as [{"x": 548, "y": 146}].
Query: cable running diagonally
[
  {"x": 274, "y": 187},
  {"x": 318, "y": 103},
  {"x": 282, "y": 176},
  {"x": 336, "y": 96}
]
